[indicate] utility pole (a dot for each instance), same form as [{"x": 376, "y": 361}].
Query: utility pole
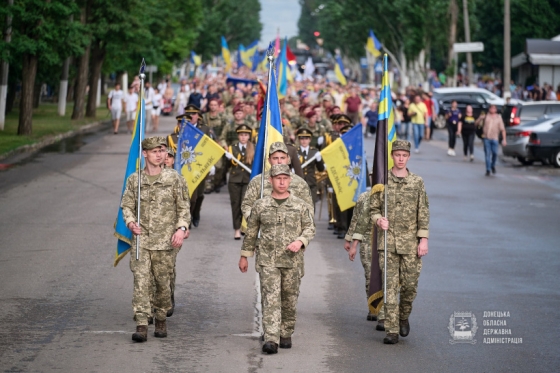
[
  {"x": 5, "y": 69},
  {"x": 468, "y": 39},
  {"x": 507, "y": 51}
]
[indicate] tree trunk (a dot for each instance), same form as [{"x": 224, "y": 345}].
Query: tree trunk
[
  {"x": 29, "y": 71},
  {"x": 97, "y": 59},
  {"x": 454, "y": 12},
  {"x": 81, "y": 85},
  {"x": 119, "y": 80}
]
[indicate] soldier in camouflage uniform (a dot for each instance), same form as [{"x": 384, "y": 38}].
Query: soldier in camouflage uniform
[
  {"x": 317, "y": 130},
  {"x": 360, "y": 231},
  {"x": 298, "y": 187},
  {"x": 216, "y": 122},
  {"x": 286, "y": 226},
  {"x": 229, "y": 133},
  {"x": 163, "y": 227},
  {"x": 407, "y": 239}
]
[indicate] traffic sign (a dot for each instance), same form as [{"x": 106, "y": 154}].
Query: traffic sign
[{"x": 468, "y": 47}]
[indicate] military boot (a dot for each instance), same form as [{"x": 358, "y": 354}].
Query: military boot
[
  {"x": 161, "y": 329},
  {"x": 391, "y": 339},
  {"x": 270, "y": 348},
  {"x": 141, "y": 334},
  {"x": 286, "y": 342},
  {"x": 371, "y": 317},
  {"x": 380, "y": 325},
  {"x": 404, "y": 328}
]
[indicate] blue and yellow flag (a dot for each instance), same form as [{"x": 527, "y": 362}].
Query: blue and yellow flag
[
  {"x": 196, "y": 154},
  {"x": 195, "y": 59},
  {"x": 226, "y": 55},
  {"x": 270, "y": 130},
  {"x": 248, "y": 53},
  {"x": 339, "y": 71},
  {"x": 135, "y": 161},
  {"x": 346, "y": 166},
  {"x": 373, "y": 45},
  {"x": 283, "y": 71},
  {"x": 257, "y": 59}
]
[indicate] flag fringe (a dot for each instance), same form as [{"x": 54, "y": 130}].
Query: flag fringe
[
  {"x": 371, "y": 300},
  {"x": 119, "y": 257},
  {"x": 377, "y": 188}
]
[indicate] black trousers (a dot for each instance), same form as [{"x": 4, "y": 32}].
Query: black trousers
[
  {"x": 468, "y": 142},
  {"x": 452, "y": 130},
  {"x": 236, "y": 194}
]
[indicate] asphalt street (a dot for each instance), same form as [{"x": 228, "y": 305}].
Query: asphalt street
[{"x": 494, "y": 246}]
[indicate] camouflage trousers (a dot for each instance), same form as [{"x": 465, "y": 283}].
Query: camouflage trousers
[
  {"x": 279, "y": 291},
  {"x": 365, "y": 258},
  {"x": 403, "y": 272},
  {"x": 156, "y": 264},
  {"x": 172, "y": 277}
]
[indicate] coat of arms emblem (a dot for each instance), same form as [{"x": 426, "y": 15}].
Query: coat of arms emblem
[{"x": 462, "y": 327}]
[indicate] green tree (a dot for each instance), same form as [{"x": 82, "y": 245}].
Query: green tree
[{"x": 238, "y": 21}]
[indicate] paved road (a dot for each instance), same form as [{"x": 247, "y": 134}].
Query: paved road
[{"x": 494, "y": 246}]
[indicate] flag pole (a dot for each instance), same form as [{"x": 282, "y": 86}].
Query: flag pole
[
  {"x": 386, "y": 156},
  {"x": 270, "y": 57},
  {"x": 140, "y": 131}
]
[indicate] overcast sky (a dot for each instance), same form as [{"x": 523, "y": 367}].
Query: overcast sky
[{"x": 275, "y": 14}]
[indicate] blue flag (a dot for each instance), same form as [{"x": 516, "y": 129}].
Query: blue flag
[{"x": 135, "y": 162}]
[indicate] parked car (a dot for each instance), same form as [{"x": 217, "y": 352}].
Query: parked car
[
  {"x": 517, "y": 137},
  {"x": 523, "y": 112},
  {"x": 480, "y": 100},
  {"x": 545, "y": 146}
]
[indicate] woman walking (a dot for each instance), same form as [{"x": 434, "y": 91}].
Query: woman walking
[{"x": 467, "y": 129}]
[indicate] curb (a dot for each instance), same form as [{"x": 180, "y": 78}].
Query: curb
[{"x": 49, "y": 140}]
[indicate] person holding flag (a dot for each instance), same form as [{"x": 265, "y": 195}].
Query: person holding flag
[{"x": 164, "y": 218}]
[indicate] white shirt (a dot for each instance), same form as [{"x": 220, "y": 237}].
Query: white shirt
[
  {"x": 306, "y": 150},
  {"x": 116, "y": 98},
  {"x": 241, "y": 146},
  {"x": 149, "y": 96},
  {"x": 131, "y": 100},
  {"x": 157, "y": 99}
]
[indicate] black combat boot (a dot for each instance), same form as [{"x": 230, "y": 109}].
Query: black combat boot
[
  {"x": 270, "y": 348},
  {"x": 161, "y": 329},
  {"x": 391, "y": 339},
  {"x": 141, "y": 334},
  {"x": 371, "y": 317},
  {"x": 404, "y": 328},
  {"x": 380, "y": 325},
  {"x": 286, "y": 342}
]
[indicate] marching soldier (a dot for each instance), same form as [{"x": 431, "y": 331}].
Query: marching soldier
[
  {"x": 229, "y": 133},
  {"x": 307, "y": 152},
  {"x": 360, "y": 231},
  {"x": 243, "y": 151},
  {"x": 278, "y": 154},
  {"x": 286, "y": 225},
  {"x": 163, "y": 226},
  {"x": 407, "y": 239},
  {"x": 318, "y": 131}
]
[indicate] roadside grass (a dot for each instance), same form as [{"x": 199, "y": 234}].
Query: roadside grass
[{"x": 46, "y": 122}]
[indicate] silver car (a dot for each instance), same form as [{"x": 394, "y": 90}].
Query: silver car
[{"x": 517, "y": 137}]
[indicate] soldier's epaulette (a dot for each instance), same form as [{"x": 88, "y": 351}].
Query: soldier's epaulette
[{"x": 311, "y": 147}]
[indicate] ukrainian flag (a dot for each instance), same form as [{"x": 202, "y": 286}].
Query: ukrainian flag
[
  {"x": 346, "y": 166},
  {"x": 256, "y": 60},
  {"x": 270, "y": 130},
  {"x": 248, "y": 53},
  {"x": 123, "y": 234},
  {"x": 373, "y": 45},
  {"x": 196, "y": 154},
  {"x": 283, "y": 71},
  {"x": 339, "y": 71},
  {"x": 240, "y": 51},
  {"x": 225, "y": 54},
  {"x": 195, "y": 59}
]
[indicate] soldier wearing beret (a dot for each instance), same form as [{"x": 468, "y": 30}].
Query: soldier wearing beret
[
  {"x": 286, "y": 225},
  {"x": 229, "y": 133},
  {"x": 163, "y": 226},
  {"x": 406, "y": 224},
  {"x": 305, "y": 153},
  {"x": 317, "y": 131},
  {"x": 244, "y": 152}
]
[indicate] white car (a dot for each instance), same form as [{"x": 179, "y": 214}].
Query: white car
[{"x": 490, "y": 97}]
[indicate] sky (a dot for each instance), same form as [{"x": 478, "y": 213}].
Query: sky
[{"x": 275, "y": 14}]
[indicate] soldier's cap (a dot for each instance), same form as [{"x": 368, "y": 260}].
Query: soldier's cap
[
  {"x": 334, "y": 107},
  {"x": 180, "y": 117},
  {"x": 192, "y": 109},
  {"x": 277, "y": 147},
  {"x": 152, "y": 143},
  {"x": 401, "y": 145},
  {"x": 345, "y": 129},
  {"x": 343, "y": 118},
  {"x": 304, "y": 132},
  {"x": 244, "y": 129},
  {"x": 280, "y": 169},
  {"x": 171, "y": 152},
  {"x": 315, "y": 107},
  {"x": 311, "y": 114},
  {"x": 238, "y": 107},
  {"x": 302, "y": 108},
  {"x": 334, "y": 117}
]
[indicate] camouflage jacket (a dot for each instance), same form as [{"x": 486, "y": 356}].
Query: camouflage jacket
[
  {"x": 280, "y": 225},
  {"x": 361, "y": 226},
  {"x": 164, "y": 207},
  {"x": 298, "y": 188},
  {"x": 408, "y": 213},
  {"x": 216, "y": 123},
  {"x": 229, "y": 134}
]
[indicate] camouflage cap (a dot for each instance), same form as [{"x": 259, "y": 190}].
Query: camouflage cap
[
  {"x": 401, "y": 145},
  {"x": 171, "y": 152},
  {"x": 278, "y": 147},
  {"x": 152, "y": 142},
  {"x": 280, "y": 169}
]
